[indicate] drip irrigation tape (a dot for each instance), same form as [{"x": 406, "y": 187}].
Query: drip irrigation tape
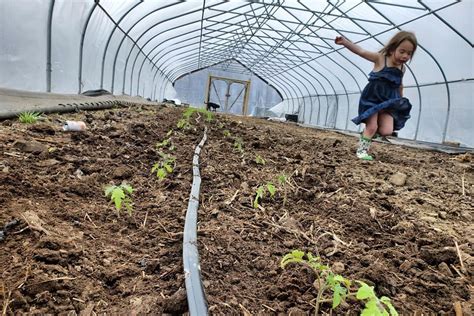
[{"x": 192, "y": 270}]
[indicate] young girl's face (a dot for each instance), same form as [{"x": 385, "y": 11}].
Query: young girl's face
[{"x": 403, "y": 52}]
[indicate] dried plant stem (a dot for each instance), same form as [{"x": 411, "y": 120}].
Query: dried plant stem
[
  {"x": 144, "y": 221},
  {"x": 6, "y": 300},
  {"x": 457, "y": 308},
  {"x": 89, "y": 218},
  {"x": 463, "y": 269}
]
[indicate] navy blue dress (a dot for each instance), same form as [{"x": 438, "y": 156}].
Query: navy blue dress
[{"x": 382, "y": 93}]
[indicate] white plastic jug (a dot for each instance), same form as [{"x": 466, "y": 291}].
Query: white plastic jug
[{"x": 74, "y": 126}]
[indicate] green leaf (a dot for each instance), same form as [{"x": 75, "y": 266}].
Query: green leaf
[
  {"x": 365, "y": 291},
  {"x": 128, "y": 188},
  {"x": 161, "y": 173},
  {"x": 168, "y": 168},
  {"x": 188, "y": 113},
  {"x": 388, "y": 303},
  {"x": 182, "y": 123},
  {"x": 260, "y": 191},
  {"x": 339, "y": 294},
  {"x": 128, "y": 206},
  {"x": 259, "y": 160},
  {"x": 29, "y": 117},
  {"x": 163, "y": 143},
  {"x": 370, "y": 309},
  {"x": 294, "y": 256},
  {"x": 108, "y": 190},
  {"x": 271, "y": 188},
  {"x": 209, "y": 116},
  {"x": 117, "y": 196},
  {"x": 282, "y": 179}
]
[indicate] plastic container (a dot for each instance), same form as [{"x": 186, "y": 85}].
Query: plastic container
[{"x": 74, "y": 126}]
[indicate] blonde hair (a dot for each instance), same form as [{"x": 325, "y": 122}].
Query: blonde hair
[{"x": 396, "y": 40}]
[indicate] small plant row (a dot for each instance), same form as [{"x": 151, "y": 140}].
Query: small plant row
[
  {"x": 327, "y": 281},
  {"x": 121, "y": 195}
]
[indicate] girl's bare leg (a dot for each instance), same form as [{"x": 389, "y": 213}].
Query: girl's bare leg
[
  {"x": 385, "y": 124},
  {"x": 371, "y": 126}
]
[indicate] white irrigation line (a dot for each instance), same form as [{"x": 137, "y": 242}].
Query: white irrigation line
[{"x": 192, "y": 270}]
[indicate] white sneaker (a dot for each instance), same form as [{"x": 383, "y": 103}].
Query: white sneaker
[{"x": 364, "y": 155}]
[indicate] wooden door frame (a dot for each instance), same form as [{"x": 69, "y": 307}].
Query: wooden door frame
[{"x": 229, "y": 81}]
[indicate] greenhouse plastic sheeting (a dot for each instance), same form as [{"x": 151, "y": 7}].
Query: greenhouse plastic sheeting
[{"x": 286, "y": 49}]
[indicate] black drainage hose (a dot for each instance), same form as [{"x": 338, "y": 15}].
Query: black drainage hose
[{"x": 197, "y": 303}]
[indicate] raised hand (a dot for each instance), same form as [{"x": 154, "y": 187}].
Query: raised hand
[{"x": 339, "y": 40}]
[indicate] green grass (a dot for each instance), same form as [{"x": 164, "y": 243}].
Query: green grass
[{"x": 29, "y": 117}]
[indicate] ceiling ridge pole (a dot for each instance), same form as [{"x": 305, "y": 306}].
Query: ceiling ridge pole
[
  {"x": 265, "y": 19},
  {"x": 202, "y": 27}
]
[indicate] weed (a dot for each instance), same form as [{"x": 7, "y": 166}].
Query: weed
[
  {"x": 226, "y": 133},
  {"x": 120, "y": 194},
  {"x": 29, "y": 117}
]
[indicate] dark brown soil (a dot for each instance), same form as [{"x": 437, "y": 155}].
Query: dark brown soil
[{"x": 66, "y": 251}]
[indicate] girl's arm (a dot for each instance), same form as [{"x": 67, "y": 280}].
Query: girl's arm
[{"x": 356, "y": 49}]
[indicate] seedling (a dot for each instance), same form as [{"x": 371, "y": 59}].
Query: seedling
[
  {"x": 259, "y": 160},
  {"x": 260, "y": 193},
  {"x": 29, "y": 117},
  {"x": 164, "y": 143},
  {"x": 282, "y": 181},
  {"x": 164, "y": 167},
  {"x": 119, "y": 195},
  {"x": 184, "y": 123},
  {"x": 373, "y": 304},
  {"x": 226, "y": 133},
  {"x": 208, "y": 114},
  {"x": 239, "y": 145},
  {"x": 340, "y": 286}
]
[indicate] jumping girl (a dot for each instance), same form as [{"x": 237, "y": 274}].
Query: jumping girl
[{"x": 382, "y": 106}]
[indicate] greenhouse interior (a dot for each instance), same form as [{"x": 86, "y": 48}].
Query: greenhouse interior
[{"x": 244, "y": 157}]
